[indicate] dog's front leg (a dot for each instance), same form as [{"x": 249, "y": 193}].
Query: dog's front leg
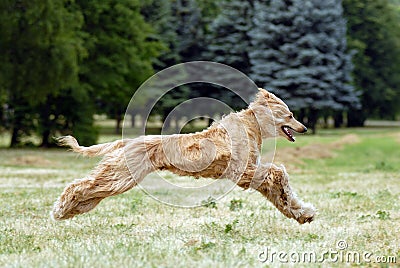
[{"x": 273, "y": 183}]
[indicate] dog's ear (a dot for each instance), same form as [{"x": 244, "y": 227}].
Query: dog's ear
[
  {"x": 262, "y": 97},
  {"x": 263, "y": 91},
  {"x": 266, "y": 94}
]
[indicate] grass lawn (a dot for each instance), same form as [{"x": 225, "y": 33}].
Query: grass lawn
[{"x": 352, "y": 176}]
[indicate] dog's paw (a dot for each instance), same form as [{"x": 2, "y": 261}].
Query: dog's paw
[
  {"x": 305, "y": 214},
  {"x": 56, "y": 213}
]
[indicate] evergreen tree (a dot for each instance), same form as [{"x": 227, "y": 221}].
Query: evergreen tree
[
  {"x": 182, "y": 26},
  {"x": 183, "y": 30},
  {"x": 299, "y": 52},
  {"x": 159, "y": 15},
  {"x": 228, "y": 38},
  {"x": 190, "y": 29},
  {"x": 228, "y": 43}
]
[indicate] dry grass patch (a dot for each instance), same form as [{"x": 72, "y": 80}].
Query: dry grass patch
[
  {"x": 31, "y": 160},
  {"x": 293, "y": 157}
]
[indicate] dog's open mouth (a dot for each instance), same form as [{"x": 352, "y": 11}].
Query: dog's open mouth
[{"x": 289, "y": 133}]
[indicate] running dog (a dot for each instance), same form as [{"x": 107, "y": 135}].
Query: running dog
[{"x": 227, "y": 149}]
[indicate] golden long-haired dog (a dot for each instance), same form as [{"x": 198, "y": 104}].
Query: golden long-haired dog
[{"x": 228, "y": 149}]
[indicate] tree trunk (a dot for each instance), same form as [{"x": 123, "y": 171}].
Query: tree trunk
[
  {"x": 326, "y": 121},
  {"x": 143, "y": 121},
  {"x": 312, "y": 120},
  {"x": 16, "y": 120},
  {"x": 45, "y": 123},
  {"x": 301, "y": 116},
  {"x": 14, "y": 136},
  {"x": 338, "y": 119},
  {"x": 133, "y": 120},
  {"x": 118, "y": 118},
  {"x": 45, "y": 138},
  {"x": 167, "y": 124},
  {"x": 355, "y": 118},
  {"x": 17, "y": 126},
  {"x": 177, "y": 126}
]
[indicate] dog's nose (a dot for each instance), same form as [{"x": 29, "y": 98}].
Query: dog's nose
[{"x": 305, "y": 130}]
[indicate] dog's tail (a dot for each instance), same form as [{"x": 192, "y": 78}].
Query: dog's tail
[{"x": 94, "y": 150}]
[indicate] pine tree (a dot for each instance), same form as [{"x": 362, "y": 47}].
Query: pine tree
[
  {"x": 183, "y": 30},
  {"x": 299, "y": 52},
  {"x": 228, "y": 42},
  {"x": 159, "y": 15},
  {"x": 228, "y": 39},
  {"x": 190, "y": 29}
]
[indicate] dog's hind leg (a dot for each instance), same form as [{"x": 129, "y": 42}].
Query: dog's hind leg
[
  {"x": 273, "y": 183},
  {"x": 111, "y": 177}
]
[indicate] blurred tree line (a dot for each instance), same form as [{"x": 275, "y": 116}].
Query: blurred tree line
[{"x": 65, "y": 60}]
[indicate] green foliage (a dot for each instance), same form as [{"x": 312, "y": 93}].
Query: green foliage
[
  {"x": 41, "y": 48},
  {"x": 230, "y": 226},
  {"x": 382, "y": 165},
  {"x": 79, "y": 108},
  {"x": 159, "y": 15},
  {"x": 68, "y": 113},
  {"x": 205, "y": 245},
  {"x": 383, "y": 215},
  {"x": 343, "y": 194},
  {"x": 63, "y": 61},
  {"x": 312, "y": 237},
  {"x": 380, "y": 214},
  {"x": 210, "y": 202},
  {"x": 228, "y": 42},
  {"x": 180, "y": 26},
  {"x": 184, "y": 26},
  {"x": 236, "y": 204},
  {"x": 61, "y": 57},
  {"x": 374, "y": 33},
  {"x": 120, "y": 53},
  {"x": 229, "y": 35}
]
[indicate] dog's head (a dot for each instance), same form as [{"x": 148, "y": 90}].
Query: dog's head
[{"x": 275, "y": 118}]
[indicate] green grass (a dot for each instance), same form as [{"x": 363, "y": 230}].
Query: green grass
[
  {"x": 356, "y": 192},
  {"x": 376, "y": 154}
]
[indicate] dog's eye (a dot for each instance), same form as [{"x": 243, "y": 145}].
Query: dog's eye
[{"x": 290, "y": 116}]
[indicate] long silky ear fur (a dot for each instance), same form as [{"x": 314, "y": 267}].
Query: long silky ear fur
[{"x": 262, "y": 97}]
